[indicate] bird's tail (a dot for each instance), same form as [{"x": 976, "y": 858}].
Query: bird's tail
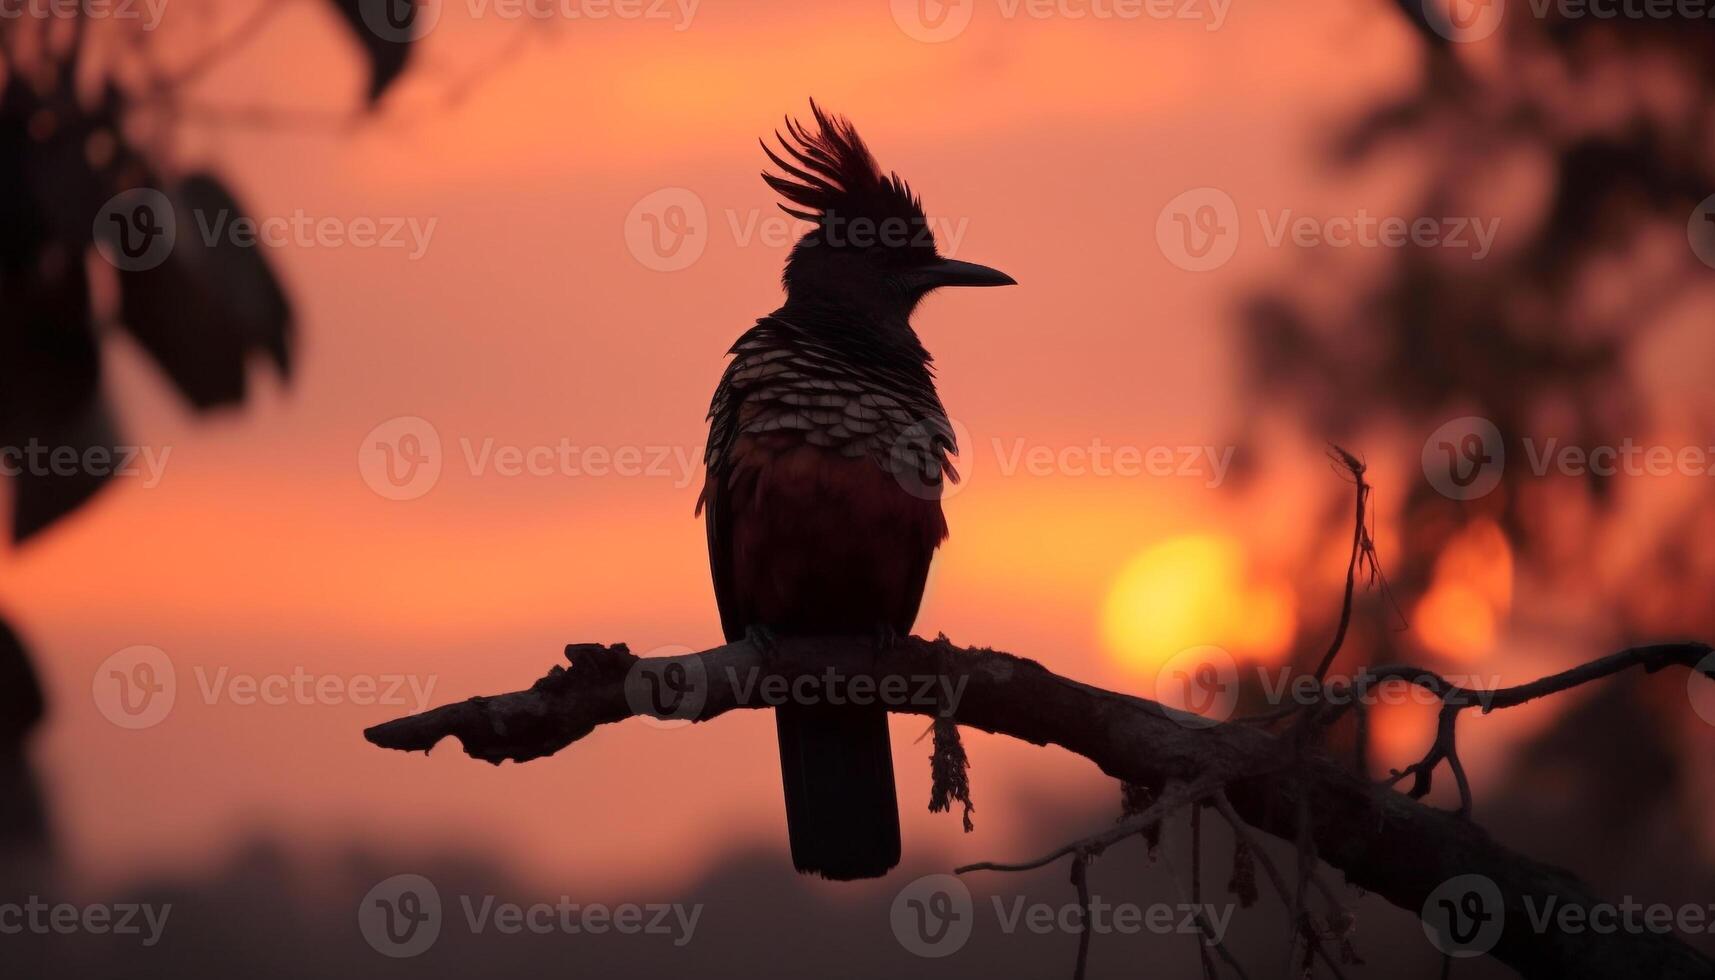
[{"x": 841, "y": 811}]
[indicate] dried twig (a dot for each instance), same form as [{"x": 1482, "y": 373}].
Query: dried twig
[{"x": 1224, "y": 807}]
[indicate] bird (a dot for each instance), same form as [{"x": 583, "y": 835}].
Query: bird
[{"x": 827, "y": 458}]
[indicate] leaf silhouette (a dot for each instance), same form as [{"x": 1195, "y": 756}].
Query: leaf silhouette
[
  {"x": 51, "y": 403},
  {"x": 385, "y": 29},
  {"x": 23, "y": 222},
  {"x": 22, "y": 705},
  {"x": 212, "y": 303}
]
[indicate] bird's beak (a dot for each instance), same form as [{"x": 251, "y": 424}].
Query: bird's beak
[{"x": 952, "y": 272}]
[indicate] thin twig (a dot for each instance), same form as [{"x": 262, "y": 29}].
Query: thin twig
[
  {"x": 1168, "y": 803},
  {"x": 1081, "y": 883},
  {"x": 1197, "y": 888},
  {"x": 1224, "y": 807},
  {"x": 1361, "y": 546}
]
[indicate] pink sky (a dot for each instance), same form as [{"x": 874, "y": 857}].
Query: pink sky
[{"x": 1053, "y": 144}]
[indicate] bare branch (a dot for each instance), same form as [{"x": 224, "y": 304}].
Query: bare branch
[{"x": 1381, "y": 840}]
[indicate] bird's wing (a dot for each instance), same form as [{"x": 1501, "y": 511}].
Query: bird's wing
[{"x": 716, "y": 503}]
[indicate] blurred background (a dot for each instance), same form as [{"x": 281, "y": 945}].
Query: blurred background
[{"x": 448, "y": 415}]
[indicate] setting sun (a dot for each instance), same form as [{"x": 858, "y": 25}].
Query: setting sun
[{"x": 1191, "y": 591}]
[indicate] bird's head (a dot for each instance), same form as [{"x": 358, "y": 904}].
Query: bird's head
[{"x": 872, "y": 249}]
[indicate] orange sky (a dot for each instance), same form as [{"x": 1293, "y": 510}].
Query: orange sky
[{"x": 528, "y": 320}]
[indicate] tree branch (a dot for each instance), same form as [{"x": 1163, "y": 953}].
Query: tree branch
[{"x": 1383, "y": 841}]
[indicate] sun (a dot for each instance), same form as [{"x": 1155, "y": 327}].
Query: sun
[{"x": 1189, "y": 591}]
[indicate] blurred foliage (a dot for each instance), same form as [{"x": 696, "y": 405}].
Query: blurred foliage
[
  {"x": 87, "y": 106},
  {"x": 1594, "y": 138},
  {"x": 1542, "y": 336}
]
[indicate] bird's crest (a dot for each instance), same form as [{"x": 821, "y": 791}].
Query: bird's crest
[{"x": 836, "y": 183}]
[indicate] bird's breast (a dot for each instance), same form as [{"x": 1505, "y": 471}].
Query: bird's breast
[{"x": 824, "y": 541}]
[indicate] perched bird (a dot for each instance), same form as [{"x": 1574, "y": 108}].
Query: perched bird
[{"x": 827, "y": 452}]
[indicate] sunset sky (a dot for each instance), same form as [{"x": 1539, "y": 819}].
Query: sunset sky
[{"x": 534, "y": 315}]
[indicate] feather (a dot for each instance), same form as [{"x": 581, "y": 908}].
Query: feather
[{"x": 835, "y": 178}]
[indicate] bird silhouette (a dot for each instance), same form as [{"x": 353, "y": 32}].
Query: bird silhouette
[{"x": 828, "y": 451}]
